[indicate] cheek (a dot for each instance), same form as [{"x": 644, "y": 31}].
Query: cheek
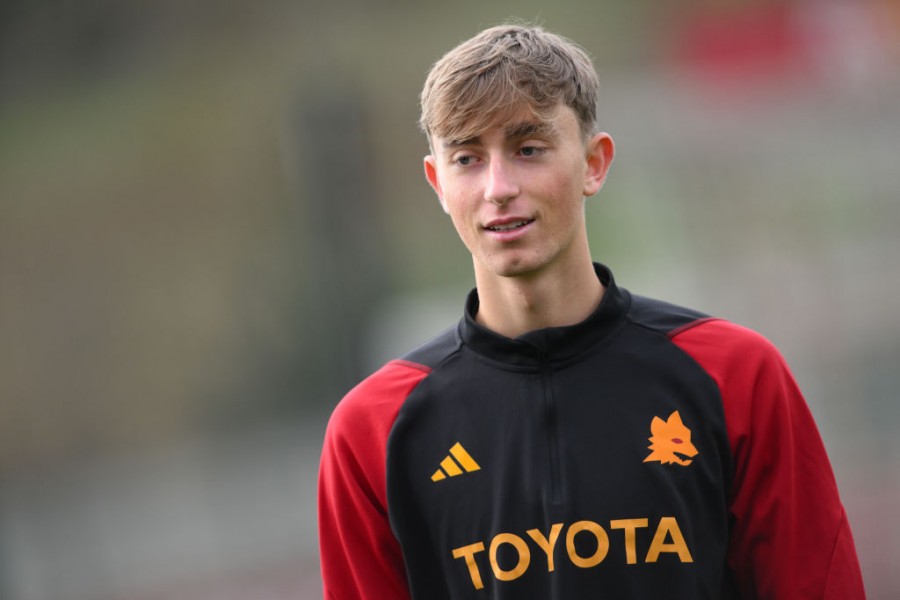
[
  {"x": 461, "y": 217},
  {"x": 566, "y": 192}
]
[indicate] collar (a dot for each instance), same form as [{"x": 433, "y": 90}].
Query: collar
[{"x": 551, "y": 344}]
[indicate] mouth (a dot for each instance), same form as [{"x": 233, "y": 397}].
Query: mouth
[
  {"x": 510, "y": 225},
  {"x": 685, "y": 458}
]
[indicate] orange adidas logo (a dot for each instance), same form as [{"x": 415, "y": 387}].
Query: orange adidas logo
[
  {"x": 451, "y": 467},
  {"x": 670, "y": 441}
]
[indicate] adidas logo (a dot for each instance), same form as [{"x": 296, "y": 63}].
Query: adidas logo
[{"x": 452, "y": 468}]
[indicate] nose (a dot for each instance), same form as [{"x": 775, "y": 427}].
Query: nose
[{"x": 501, "y": 185}]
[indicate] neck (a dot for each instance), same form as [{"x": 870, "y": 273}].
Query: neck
[{"x": 512, "y": 306}]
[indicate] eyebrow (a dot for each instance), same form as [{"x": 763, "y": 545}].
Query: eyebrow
[
  {"x": 528, "y": 129},
  {"x": 457, "y": 143},
  {"x": 512, "y": 131}
]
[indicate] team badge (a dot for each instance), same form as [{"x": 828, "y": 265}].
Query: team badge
[{"x": 670, "y": 441}]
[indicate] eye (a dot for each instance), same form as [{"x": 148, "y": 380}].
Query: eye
[
  {"x": 531, "y": 151},
  {"x": 464, "y": 160},
  {"x": 677, "y": 441}
]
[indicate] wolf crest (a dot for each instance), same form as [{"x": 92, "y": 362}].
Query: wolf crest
[{"x": 670, "y": 441}]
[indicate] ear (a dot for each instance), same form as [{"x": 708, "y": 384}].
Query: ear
[
  {"x": 600, "y": 153},
  {"x": 675, "y": 419},
  {"x": 431, "y": 175}
]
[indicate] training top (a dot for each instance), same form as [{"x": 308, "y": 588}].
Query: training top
[{"x": 649, "y": 451}]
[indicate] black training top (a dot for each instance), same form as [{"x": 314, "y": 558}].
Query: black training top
[{"x": 649, "y": 451}]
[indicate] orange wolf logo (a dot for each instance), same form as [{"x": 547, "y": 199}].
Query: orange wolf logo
[{"x": 671, "y": 441}]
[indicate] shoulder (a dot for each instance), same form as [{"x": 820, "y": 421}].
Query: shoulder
[
  {"x": 662, "y": 317},
  {"x": 698, "y": 332},
  {"x": 730, "y": 353},
  {"x": 725, "y": 346},
  {"x": 435, "y": 351},
  {"x": 758, "y": 390},
  {"x": 372, "y": 405}
]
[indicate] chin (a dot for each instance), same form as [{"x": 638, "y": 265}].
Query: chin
[{"x": 517, "y": 267}]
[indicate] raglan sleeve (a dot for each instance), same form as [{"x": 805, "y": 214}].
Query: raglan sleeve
[
  {"x": 790, "y": 538},
  {"x": 360, "y": 557}
]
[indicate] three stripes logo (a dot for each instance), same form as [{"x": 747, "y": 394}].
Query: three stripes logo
[{"x": 451, "y": 468}]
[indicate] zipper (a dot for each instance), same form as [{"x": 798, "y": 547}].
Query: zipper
[{"x": 552, "y": 429}]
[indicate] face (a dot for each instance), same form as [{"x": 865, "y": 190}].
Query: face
[{"x": 516, "y": 192}]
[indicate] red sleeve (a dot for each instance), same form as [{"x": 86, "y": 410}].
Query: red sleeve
[
  {"x": 790, "y": 536},
  {"x": 360, "y": 557}
]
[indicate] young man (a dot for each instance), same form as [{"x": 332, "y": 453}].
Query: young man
[{"x": 567, "y": 439}]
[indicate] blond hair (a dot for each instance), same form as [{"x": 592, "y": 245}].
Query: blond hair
[{"x": 502, "y": 71}]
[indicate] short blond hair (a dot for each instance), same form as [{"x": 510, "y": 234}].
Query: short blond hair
[{"x": 502, "y": 71}]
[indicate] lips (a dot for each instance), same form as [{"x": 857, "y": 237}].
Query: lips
[{"x": 508, "y": 225}]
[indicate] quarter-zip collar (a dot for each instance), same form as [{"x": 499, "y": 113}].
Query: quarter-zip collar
[{"x": 556, "y": 344}]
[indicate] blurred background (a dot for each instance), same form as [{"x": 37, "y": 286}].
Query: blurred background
[{"x": 213, "y": 223}]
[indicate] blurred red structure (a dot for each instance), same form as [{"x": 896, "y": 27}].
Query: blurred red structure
[{"x": 779, "y": 43}]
